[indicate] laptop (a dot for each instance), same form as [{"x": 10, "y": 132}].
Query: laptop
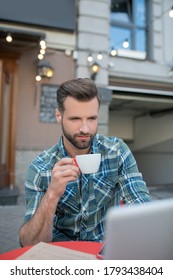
[{"x": 140, "y": 232}]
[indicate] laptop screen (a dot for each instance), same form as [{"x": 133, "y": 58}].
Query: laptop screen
[{"x": 140, "y": 231}]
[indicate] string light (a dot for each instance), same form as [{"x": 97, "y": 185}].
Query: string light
[
  {"x": 99, "y": 56},
  {"x": 42, "y": 51},
  {"x": 38, "y": 78},
  {"x": 9, "y": 38},
  {"x": 43, "y": 44},
  {"x": 171, "y": 12},
  {"x": 40, "y": 56},
  {"x": 113, "y": 52},
  {"x": 90, "y": 58},
  {"x": 126, "y": 44}
]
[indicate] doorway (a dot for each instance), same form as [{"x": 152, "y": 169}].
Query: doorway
[{"x": 8, "y": 86}]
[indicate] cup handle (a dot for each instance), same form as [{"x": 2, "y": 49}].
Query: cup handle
[{"x": 75, "y": 162}]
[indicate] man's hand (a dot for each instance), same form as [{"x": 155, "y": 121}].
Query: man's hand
[{"x": 63, "y": 172}]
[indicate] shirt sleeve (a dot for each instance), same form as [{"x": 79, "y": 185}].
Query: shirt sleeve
[
  {"x": 34, "y": 191},
  {"x": 133, "y": 189},
  {"x": 36, "y": 185}
]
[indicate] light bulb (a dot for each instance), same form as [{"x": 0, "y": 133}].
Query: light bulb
[
  {"x": 38, "y": 78},
  {"x": 90, "y": 58},
  {"x": 49, "y": 73},
  {"x": 171, "y": 12},
  {"x": 113, "y": 52},
  {"x": 42, "y": 51},
  {"x": 43, "y": 44},
  {"x": 9, "y": 38},
  {"x": 126, "y": 44},
  {"x": 40, "y": 56},
  {"x": 95, "y": 68},
  {"x": 99, "y": 56}
]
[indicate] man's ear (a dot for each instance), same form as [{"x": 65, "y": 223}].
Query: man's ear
[{"x": 58, "y": 116}]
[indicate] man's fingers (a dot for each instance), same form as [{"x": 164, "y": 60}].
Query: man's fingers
[{"x": 65, "y": 161}]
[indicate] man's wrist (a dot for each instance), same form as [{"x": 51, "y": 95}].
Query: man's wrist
[{"x": 51, "y": 200}]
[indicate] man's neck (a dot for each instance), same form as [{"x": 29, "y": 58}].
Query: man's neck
[{"x": 72, "y": 151}]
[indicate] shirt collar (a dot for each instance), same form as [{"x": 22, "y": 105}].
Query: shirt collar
[
  {"x": 62, "y": 149},
  {"x": 94, "y": 146}
]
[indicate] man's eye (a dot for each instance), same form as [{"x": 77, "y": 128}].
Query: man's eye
[
  {"x": 74, "y": 119},
  {"x": 93, "y": 118}
]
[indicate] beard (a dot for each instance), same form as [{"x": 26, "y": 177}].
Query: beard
[{"x": 79, "y": 144}]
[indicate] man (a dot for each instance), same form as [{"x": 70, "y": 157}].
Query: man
[{"x": 63, "y": 204}]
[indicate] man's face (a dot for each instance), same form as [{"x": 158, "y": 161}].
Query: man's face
[{"x": 79, "y": 124}]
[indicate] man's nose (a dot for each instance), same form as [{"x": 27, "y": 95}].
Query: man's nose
[{"x": 84, "y": 127}]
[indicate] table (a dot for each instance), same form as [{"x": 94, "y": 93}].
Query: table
[{"x": 82, "y": 246}]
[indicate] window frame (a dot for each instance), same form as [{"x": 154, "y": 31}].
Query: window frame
[{"x": 132, "y": 27}]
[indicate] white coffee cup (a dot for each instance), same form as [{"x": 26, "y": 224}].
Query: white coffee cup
[{"x": 88, "y": 163}]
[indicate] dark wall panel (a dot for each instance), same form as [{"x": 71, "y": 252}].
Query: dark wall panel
[{"x": 58, "y": 14}]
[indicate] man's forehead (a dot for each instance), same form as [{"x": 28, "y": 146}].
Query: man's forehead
[{"x": 69, "y": 101}]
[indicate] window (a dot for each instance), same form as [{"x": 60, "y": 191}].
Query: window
[{"x": 128, "y": 23}]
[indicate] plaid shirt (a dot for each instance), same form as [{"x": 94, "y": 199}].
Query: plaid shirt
[{"x": 81, "y": 210}]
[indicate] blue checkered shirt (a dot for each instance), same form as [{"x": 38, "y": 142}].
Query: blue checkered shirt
[{"x": 81, "y": 210}]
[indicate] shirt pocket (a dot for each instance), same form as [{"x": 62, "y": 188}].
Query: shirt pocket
[
  {"x": 69, "y": 201},
  {"x": 104, "y": 190}
]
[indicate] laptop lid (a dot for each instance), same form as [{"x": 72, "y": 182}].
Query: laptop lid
[{"x": 140, "y": 232}]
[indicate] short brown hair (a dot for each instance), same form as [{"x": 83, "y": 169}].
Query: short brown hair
[{"x": 82, "y": 89}]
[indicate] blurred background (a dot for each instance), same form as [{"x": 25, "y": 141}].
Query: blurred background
[{"x": 125, "y": 46}]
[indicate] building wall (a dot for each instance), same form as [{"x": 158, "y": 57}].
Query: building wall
[
  {"x": 142, "y": 133},
  {"x": 145, "y": 134},
  {"x": 32, "y": 135},
  {"x": 153, "y": 145},
  {"x": 92, "y": 38},
  {"x": 37, "y": 136},
  {"x": 68, "y": 55}
]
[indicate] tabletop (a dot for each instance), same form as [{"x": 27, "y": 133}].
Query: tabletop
[{"x": 89, "y": 247}]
